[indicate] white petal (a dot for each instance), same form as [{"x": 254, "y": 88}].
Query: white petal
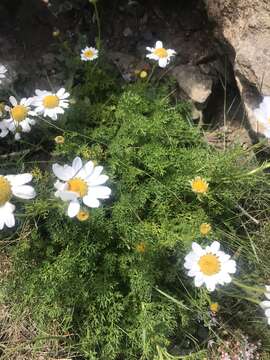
[
  {"x": 77, "y": 165},
  {"x": 63, "y": 173},
  {"x": 60, "y": 92},
  {"x": 215, "y": 247},
  {"x": 265, "y": 304},
  {"x": 163, "y": 62},
  {"x": 159, "y": 45},
  {"x": 24, "y": 191},
  {"x": 197, "y": 248},
  {"x": 230, "y": 266},
  {"x": 19, "y": 179},
  {"x": 100, "y": 192},
  {"x": 198, "y": 281},
  {"x": 9, "y": 220},
  {"x": 67, "y": 195},
  {"x": 91, "y": 201},
  {"x": 73, "y": 208},
  {"x": 13, "y": 101},
  {"x": 94, "y": 181},
  {"x": 210, "y": 284}
]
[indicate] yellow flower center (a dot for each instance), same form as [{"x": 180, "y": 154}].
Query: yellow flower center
[
  {"x": 209, "y": 264},
  {"x": 5, "y": 190},
  {"x": 78, "y": 186},
  {"x": 199, "y": 185},
  {"x": 205, "y": 228},
  {"x": 161, "y": 52},
  {"x": 82, "y": 215},
  {"x": 19, "y": 112},
  {"x": 88, "y": 53},
  {"x": 51, "y": 101}
]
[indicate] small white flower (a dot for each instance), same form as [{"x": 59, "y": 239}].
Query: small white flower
[
  {"x": 89, "y": 54},
  {"x": 266, "y": 304},
  {"x": 160, "y": 54},
  {"x": 51, "y": 104},
  {"x": 262, "y": 113},
  {"x": 80, "y": 183},
  {"x": 209, "y": 266},
  {"x": 3, "y": 70},
  {"x": 13, "y": 185},
  {"x": 19, "y": 120}
]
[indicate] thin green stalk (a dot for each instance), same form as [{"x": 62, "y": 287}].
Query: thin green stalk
[{"x": 248, "y": 288}]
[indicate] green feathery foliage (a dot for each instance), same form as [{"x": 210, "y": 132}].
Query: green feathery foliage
[{"x": 116, "y": 282}]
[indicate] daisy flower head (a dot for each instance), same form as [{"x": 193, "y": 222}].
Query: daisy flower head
[
  {"x": 19, "y": 117},
  {"x": 160, "y": 54},
  {"x": 80, "y": 184},
  {"x": 89, "y": 54},
  {"x": 3, "y": 71},
  {"x": 51, "y": 104},
  {"x": 13, "y": 185},
  {"x": 199, "y": 185},
  {"x": 266, "y": 303},
  {"x": 262, "y": 114},
  {"x": 209, "y": 266}
]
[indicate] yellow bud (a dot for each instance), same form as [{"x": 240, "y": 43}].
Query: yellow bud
[
  {"x": 214, "y": 307},
  {"x": 205, "y": 228},
  {"x": 59, "y": 139},
  {"x": 143, "y": 74},
  {"x": 83, "y": 215},
  {"x": 141, "y": 247},
  {"x": 56, "y": 33}
]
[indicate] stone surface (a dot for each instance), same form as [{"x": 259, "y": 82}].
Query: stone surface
[
  {"x": 243, "y": 26},
  {"x": 193, "y": 82}
]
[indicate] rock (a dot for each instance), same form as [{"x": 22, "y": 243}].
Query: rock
[
  {"x": 243, "y": 26},
  {"x": 194, "y": 83}
]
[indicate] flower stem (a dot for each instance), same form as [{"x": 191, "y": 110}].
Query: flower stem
[
  {"x": 248, "y": 288},
  {"x": 98, "y": 25}
]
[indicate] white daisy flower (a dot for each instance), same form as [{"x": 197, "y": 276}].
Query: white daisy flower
[
  {"x": 209, "y": 266},
  {"x": 160, "y": 54},
  {"x": 80, "y": 184},
  {"x": 89, "y": 54},
  {"x": 262, "y": 114},
  {"x": 266, "y": 303},
  {"x": 51, "y": 104},
  {"x": 3, "y": 70},
  {"x": 13, "y": 185},
  {"x": 19, "y": 120}
]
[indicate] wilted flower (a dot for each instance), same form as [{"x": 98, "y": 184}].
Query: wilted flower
[
  {"x": 160, "y": 54},
  {"x": 209, "y": 266},
  {"x": 13, "y": 185},
  {"x": 80, "y": 184}
]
